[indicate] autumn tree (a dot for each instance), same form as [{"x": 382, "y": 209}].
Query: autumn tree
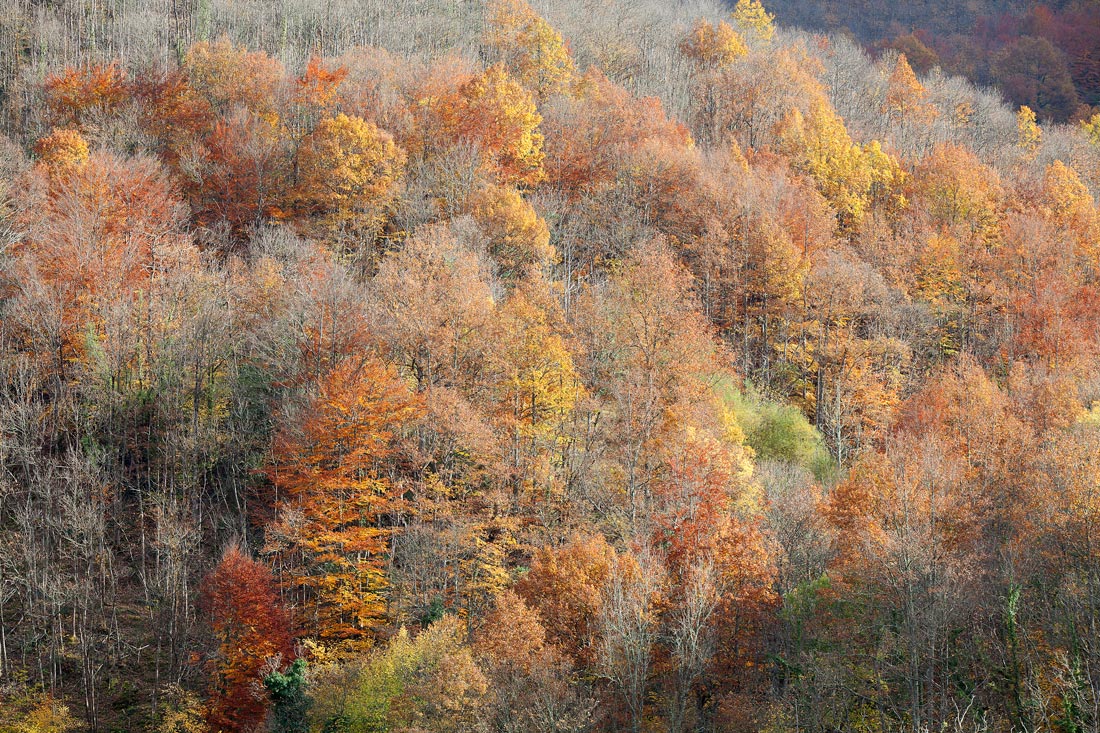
[
  {"x": 228, "y": 76},
  {"x": 75, "y": 94},
  {"x": 969, "y": 412},
  {"x": 1091, "y": 128},
  {"x": 905, "y": 95},
  {"x": 519, "y": 240},
  {"x": 717, "y": 567},
  {"x": 958, "y": 191},
  {"x": 904, "y": 530},
  {"x": 712, "y": 45},
  {"x": 1066, "y": 200},
  {"x": 433, "y": 300},
  {"x": 317, "y": 92},
  {"x": 171, "y": 112},
  {"x": 498, "y": 114},
  {"x": 62, "y": 148},
  {"x": 748, "y": 101},
  {"x": 99, "y": 233},
  {"x": 648, "y": 353},
  {"x": 850, "y": 176},
  {"x": 751, "y": 17},
  {"x": 335, "y": 499},
  {"x": 539, "y": 388},
  {"x": 347, "y": 170},
  {"x": 237, "y": 175},
  {"x": 587, "y": 137},
  {"x": 428, "y": 682},
  {"x": 532, "y": 683},
  {"x": 532, "y": 51},
  {"x": 565, "y": 585},
  {"x": 1029, "y": 134},
  {"x": 246, "y": 617}
]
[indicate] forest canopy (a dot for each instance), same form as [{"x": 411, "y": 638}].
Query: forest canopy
[{"x": 539, "y": 367}]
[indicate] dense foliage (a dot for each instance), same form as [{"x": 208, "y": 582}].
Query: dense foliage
[{"x": 416, "y": 366}]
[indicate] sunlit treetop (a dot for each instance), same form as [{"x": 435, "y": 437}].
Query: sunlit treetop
[
  {"x": 713, "y": 45},
  {"x": 751, "y": 18}
]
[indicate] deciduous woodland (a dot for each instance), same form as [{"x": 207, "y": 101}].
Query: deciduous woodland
[
  {"x": 1044, "y": 55},
  {"x": 560, "y": 367}
]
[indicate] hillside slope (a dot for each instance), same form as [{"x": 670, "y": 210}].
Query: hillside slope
[{"x": 568, "y": 366}]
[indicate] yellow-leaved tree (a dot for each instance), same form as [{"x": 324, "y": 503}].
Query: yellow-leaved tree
[
  {"x": 1091, "y": 128},
  {"x": 529, "y": 47},
  {"x": 850, "y": 176},
  {"x": 519, "y": 239},
  {"x": 539, "y": 385},
  {"x": 497, "y": 113},
  {"x": 752, "y": 19},
  {"x": 347, "y": 172},
  {"x": 62, "y": 148},
  {"x": 712, "y": 45},
  {"x": 1028, "y": 133},
  {"x": 231, "y": 76}
]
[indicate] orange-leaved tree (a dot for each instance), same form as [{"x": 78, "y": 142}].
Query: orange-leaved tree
[
  {"x": 498, "y": 114},
  {"x": 317, "y": 91},
  {"x": 335, "y": 497},
  {"x": 243, "y": 610},
  {"x": 230, "y": 76},
  {"x": 62, "y": 148},
  {"x": 75, "y": 93},
  {"x": 713, "y": 46}
]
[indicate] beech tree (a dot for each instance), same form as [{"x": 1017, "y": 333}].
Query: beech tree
[
  {"x": 228, "y": 75},
  {"x": 336, "y": 499},
  {"x": 656, "y": 369},
  {"x": 244, "y": 613},
  {"x": 346, "y": 173},
  {"x": 498, "y": 114},
  {"x": 532, "y": 51},
  {"x": 519, "y": 240},
  {"x": 62, "y": 148},
  {"x": 74, "y": 94},
  {"x": 751, "y": 16},
  {"x": 713, "y": 45}
]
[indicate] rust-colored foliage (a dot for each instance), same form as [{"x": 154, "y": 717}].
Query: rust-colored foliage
[
  {"x": 172, "y": 112},
  {"x": 318, "y": 88},
  {"x": 75, "y": 93},
  {"x": 243, "y": 611},
  {"x": 237, "y": 175},
  {"x": 587, "y": 137},
  {"x": 566, "y": 584},
  {"x": 498, "y": 114},
  {"x": 100, "y": 231},
  {"x": 906, "y": 97}
]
